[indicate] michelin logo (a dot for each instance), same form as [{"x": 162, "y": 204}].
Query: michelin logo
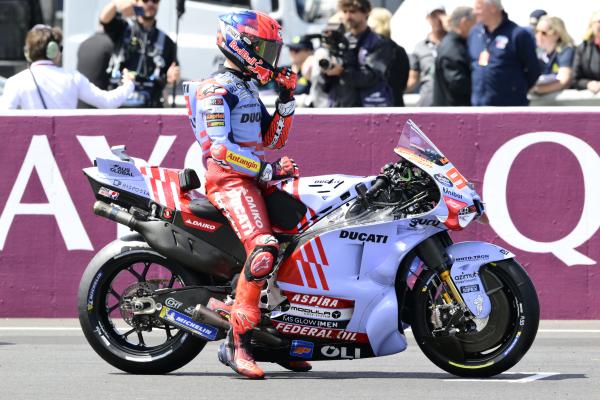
[{"x": 184, "y": 321}]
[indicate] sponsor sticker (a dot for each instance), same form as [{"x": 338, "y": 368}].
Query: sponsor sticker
[
  {"x": 215, "y": 116},
  {"x": 187, "y": 323},
  {"x": 443, "y": 180},
  {"x": 469, "y": 289},
  {"x": 199, "y": 223},
  {"x": 363, "y": 236},
  {"x": 294, "y": 319},
  {"x": 302, "y": 349},
  {"x": 242, "y": 161},
  {"x": 111, "y": 194},
  {"x": 318, "y": 301},
  {"x": 212, "y": 124},
  {"x": 322, "y": 333},
  {"x": 341, "y": 352}
]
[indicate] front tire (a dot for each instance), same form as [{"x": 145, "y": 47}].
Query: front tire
[
  {"x": 122, "y": 265},
  {"x": 499, "y": 341}
]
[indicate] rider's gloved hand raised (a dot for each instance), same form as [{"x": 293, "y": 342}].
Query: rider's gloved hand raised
[
  {"x": 283, "y": 168},
  {"x": 285, "y": 79}
]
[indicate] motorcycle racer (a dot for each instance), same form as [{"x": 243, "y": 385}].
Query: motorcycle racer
[{"x": 233, "y": 127}]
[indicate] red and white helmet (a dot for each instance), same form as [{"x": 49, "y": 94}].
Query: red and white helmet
[{"x": 252, "y": 41}]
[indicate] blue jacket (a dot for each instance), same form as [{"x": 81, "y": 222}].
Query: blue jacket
[{"x": 512, "y": 67}]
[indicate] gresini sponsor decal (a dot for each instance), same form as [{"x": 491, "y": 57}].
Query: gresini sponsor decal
[
  {"x": 318, "y": 301},
  {"x": 199, "y": 223},
  {"x": 316, "y": 312},
  {"x": 323, "y": 333},
  {"x": 188, "y": 323},
  {"x": 293, "y": 319}
]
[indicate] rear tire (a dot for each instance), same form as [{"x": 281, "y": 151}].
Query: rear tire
[
  {"x": 101, "y": 318},
  {"x": 501, "y": 339}
]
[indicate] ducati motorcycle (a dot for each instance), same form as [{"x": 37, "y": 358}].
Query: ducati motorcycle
[{"x": 362, "y": 259}]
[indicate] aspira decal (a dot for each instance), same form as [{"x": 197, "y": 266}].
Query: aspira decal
[{"x": 363, "y": 237}]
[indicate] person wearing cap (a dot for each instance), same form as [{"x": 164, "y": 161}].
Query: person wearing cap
[
  {"x": 301, "y": 53},
  {"x": 422, "y": 59},
  {"x": 46, "y": 85},
  {"x": 504, "y": 63},
  {"x": 534, "y": 18},
  {"x": 452, "y": 83}
]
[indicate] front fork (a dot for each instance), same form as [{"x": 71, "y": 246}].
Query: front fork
[{"x": 432, "y": 251}]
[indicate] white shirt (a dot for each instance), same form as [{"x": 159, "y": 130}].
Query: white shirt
[{"x": 60, "y": 88}]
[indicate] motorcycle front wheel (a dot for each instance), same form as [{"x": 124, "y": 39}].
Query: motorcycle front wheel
[
  {"x": 130, "y": 343},
  {"x": 492, "y": 345}
]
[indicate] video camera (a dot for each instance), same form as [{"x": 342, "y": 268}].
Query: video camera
[{"x": 333, "y": 38}]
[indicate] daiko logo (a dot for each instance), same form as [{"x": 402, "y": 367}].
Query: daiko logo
[{"x": 494, "y": 194}]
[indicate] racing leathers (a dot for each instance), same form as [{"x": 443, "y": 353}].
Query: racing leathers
[{"x": 233, "y": 127}]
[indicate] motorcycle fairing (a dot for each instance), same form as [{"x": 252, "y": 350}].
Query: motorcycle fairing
[
  {"x": 321, "y": 195},
  {"x": 358, "y": 263},
  {"x": 468, "y": 258}
]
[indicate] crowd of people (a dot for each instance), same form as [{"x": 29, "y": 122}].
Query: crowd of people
[{"x": 472, "y": 56}]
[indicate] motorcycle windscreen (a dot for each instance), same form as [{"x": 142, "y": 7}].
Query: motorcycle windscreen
[{"x": 416, "y": 147}]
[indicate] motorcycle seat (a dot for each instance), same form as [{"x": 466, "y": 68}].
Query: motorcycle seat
[{"x": 203, "y": 208}]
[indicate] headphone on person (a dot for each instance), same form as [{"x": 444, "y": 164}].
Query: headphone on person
[{"x": 52, "y": 48}]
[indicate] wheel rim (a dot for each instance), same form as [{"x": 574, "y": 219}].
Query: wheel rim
[
  {"x": 147, "y": 270},
  {"x": 497, "y": 334}
]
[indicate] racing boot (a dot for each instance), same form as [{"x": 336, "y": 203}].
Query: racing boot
[
  {"x": 236, "y": 352},
  {"x": 296, "y": 366}
]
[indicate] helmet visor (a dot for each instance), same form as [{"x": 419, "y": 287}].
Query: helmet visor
[{"x": 268, "y": 50}]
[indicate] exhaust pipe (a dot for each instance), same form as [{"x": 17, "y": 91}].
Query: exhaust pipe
[
  {"x": 205, "y": 315},
  {"x": 115, "y": 214}
]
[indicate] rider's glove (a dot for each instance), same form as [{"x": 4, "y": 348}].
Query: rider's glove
[
  {"x": 286, "y": 80},
  {"x": 283, "y": 168}
]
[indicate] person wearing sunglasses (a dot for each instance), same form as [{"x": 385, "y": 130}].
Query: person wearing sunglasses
[
  {"x": 587, "y": 58},
  {"x": 140, "y": 47},
  {"x": 555, "y": 53},
  {"x": 46, "y": 85}
]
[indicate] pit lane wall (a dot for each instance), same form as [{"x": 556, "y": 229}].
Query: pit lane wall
[{"x": 536, "y": 167}]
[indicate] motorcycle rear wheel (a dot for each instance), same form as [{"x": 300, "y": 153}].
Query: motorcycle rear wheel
[
  {"x": 125, "y": 265},
  {"x": 500, "y": 340}
]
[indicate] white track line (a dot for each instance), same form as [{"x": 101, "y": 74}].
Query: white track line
[{"x": 531, "y": 376}]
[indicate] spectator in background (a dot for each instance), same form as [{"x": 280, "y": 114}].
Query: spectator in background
[
  {"x": 45, "y": 85},
  {"x": 358, "y": 79},
  {"x": 452, "y": 83},
  {"x": 17, "y": 17},
  {"x": 93, "y": 58},
  {"x": 587, "y": 58},
  {"x": 422, "y": 60},
  {"x": 301, "y": 53},
  {"x": 534, "y": 18},
  {"x": 398, "y": 67},
  {"x": 140, "y": 47},
  {"x": 556, "y": 54},
  {"x": 503, "y": 59}
]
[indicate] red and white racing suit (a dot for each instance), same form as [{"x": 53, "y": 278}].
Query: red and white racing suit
[{"x": 233, "y": 127}]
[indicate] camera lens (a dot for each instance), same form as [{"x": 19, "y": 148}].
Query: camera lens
[{"x": 324, "y": 63}]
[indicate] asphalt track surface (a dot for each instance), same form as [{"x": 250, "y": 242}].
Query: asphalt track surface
[{"x": 50, "y": 359}]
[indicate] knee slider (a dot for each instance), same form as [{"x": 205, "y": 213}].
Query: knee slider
[{"x": 259, "y": 264}]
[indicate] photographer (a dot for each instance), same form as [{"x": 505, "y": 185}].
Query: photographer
[
  {"x": 354, "y": 74},
  {"x": 141, "y": 48}
]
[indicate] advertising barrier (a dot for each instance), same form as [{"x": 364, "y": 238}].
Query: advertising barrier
[{"x": 535, "y": 168}]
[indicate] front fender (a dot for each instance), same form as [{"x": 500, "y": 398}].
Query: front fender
[{"x": 467, "y": 258}]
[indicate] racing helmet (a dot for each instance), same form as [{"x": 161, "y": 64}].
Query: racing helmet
[{"x": 252, "y": 41}]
